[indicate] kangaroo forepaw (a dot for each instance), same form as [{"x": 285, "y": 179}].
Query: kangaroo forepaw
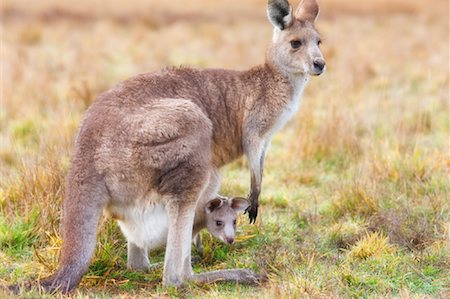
[{"x": 252, "y": 212}]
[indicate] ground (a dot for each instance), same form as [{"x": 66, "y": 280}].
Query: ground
[{"x": 355, "y": 193}]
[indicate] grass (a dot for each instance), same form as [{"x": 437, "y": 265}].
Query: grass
[{"x": 355, "y": 193}]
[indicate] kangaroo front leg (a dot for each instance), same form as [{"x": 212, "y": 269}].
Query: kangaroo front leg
[
  {"x": 255, "y": 150},
  {"x": 177, "y": 261}
]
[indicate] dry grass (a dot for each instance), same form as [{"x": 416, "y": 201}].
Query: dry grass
[{"x": 355, "y": 196}]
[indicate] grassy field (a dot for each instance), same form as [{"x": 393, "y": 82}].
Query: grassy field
[{"x": 355, "y": 199}]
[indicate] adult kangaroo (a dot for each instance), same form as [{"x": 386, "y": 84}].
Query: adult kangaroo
[{"x": 156, "y": 142}]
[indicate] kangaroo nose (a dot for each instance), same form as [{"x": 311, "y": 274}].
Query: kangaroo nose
[
  {"x": 230, "y": 240},
  {"x": 319, "y": 64}
]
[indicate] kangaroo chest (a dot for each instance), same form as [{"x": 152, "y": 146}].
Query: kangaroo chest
[{"x": 286, "y": 112}]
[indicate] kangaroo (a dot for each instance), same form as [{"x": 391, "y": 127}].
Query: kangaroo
[
  {"x": 156, "y": 142},
  {"x": 218, "y": 216}
]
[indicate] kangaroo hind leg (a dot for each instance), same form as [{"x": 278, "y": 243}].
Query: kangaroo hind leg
[{"x": 181, "y": 211}]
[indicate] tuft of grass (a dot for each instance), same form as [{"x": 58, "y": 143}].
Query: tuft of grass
[
  {"x": 344, "y": 234},
  {"x": 409, "y": 230},
  {"x": 373, "y": 244},
  {"x": 355, "y": 200},
  {"x": 18, "y": 236},
  {"x": 39, "y": 189}
]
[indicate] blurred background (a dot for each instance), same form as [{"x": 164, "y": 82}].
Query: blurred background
[
  {"x": 364, "y": 162},
  {"x": 387, "y": 60}
]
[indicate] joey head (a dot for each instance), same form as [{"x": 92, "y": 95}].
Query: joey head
[{"x": 221, "y": 218}]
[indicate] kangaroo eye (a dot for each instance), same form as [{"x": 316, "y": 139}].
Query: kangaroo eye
[
  {"x": 319, "y": 42},
  {"x": 234, "y": 222},
  {"x": 219, "y": 223},
  {"x": 295, "y": 44}
]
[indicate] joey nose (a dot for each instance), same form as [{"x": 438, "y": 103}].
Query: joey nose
[
  {"x": 319, "y": 65},
  {"x": 230, "y": 240}
]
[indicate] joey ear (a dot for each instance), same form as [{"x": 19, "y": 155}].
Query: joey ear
[
  {"x": 279, "y": 13},
  {"x": 239, "y": 204},
  {"x": 213, "y": 204},
  {"x": 308, "y": 10}
]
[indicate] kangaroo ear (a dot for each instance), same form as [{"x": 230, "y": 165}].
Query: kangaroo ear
[
  {"x": 239, "y": 204},
  {"x": 279, "y": 13},
  {"x": 308, "y": 10},
  {"x": 213, "y": 204}
]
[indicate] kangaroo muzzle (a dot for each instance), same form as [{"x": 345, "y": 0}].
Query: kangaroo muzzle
[{"x": 318, "y": 66}]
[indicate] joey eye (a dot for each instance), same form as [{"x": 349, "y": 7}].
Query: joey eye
[
  {"x": 319, "y": 42},
  {"x": 295, "y": 44},
  {"x": 219, "y": 223},
  {"x": 234, "y": 222}
]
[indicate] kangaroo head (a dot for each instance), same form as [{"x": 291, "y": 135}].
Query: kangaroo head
[
  {"x": 295, "y": 47},
  {"x": 221, "y": 214}
]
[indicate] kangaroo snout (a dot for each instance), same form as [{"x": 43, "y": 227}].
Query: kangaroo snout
[
  {"x": 230, "y": 240},
  {"x": 318, "y": 66}
]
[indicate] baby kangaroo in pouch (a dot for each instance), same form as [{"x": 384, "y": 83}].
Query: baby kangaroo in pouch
[{"x": 149, "y": 151}]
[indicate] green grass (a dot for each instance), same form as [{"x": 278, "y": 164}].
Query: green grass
[
  {"x": 354, "y": 201},
  {"x": 17, "y": 238}
]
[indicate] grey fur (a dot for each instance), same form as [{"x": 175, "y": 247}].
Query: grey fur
[{"x": 159, "y": 139}]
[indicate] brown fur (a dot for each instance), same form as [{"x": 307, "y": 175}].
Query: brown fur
[{"x": 160, "y": 138}]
